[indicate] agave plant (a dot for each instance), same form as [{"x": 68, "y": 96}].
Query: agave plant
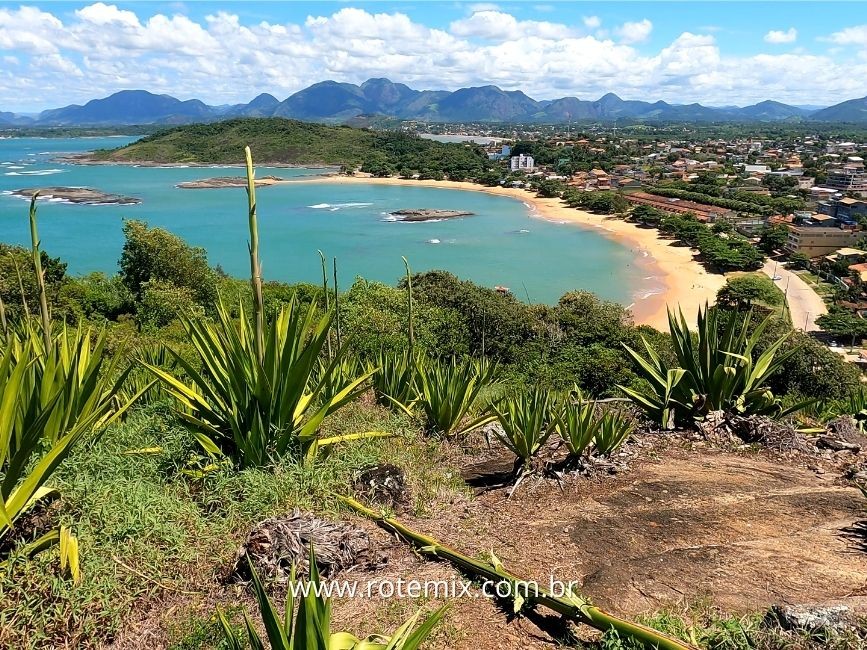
[
  {"x": 310, "y": 627},
  {"x": 527, "y": 422},
  {"x": 576, "y": 424},
  {"x": 448, "y": 393},
  {"x": 254, "y": 409},
  {"x": 716, "y": 371},
  {"x": 50, "y": 399},
  {"x": 394, "y": 379},
  {"x": 612, "y": 431}
]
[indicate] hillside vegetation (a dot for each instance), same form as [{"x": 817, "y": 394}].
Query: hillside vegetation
[{"x": 293, "y": 142}]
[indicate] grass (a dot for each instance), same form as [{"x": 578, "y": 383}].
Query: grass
[
  {"x": 149, "y": 529},
  {"x": 822, "y": 288},
  {"x": 706, "y": 627}
]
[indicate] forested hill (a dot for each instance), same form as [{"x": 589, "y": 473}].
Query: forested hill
[{"x": 277, "y": 140}]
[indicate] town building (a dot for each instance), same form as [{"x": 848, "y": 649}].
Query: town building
[
  {"x": 703, "y": 212},
  {"x": 851, "y": 177},
  {"x": 821, "y": 234},
  {"x": 522, "y": 162},
  {"x": 847, "y": 210}
]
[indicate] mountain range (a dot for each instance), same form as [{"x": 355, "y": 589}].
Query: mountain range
[{"x": 331, "y": 101}]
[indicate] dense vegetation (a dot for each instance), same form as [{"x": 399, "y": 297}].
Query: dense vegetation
[{"x": 281, "y": 141}]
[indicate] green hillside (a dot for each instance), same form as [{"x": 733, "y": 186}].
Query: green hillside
[{"x": 276, "y": 140}]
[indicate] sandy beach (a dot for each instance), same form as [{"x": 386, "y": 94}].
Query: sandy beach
[{"x": 682, "y": 280}]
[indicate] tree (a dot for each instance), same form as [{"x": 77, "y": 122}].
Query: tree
[
  {"x": 799, "y": 261},
  {"x": 773, "y": 238},
  {"x": 17, "y": 273},
  {"x": 840, "y": 323},
  {"x": 154, "y": 254},
  {"x": 742, "y": 291},
  {"x": 647, "y": 215}
]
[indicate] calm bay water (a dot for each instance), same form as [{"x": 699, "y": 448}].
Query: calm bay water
[{"x": 502, "y": 245}]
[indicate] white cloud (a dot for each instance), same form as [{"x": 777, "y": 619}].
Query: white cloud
[
  {"x": 634, "y": 32},
  {"x": 777, "y": 36},
  {"x": 226, "y": 58},
  {"x": 592, "y": 22},
  {"x": 500, "y": 26},
  {"x": 856, "y": 35}
]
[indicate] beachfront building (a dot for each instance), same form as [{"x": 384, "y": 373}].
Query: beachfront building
[
  {"x": 522, "y": 163},
  {"x": 821, "y": 234},
  {"x": 702, "y": 211}
]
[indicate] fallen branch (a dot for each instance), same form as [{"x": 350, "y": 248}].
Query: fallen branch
[{"x": 572, "y": 606}]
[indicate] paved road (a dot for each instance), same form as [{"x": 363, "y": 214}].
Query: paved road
[{"x": 805, "y": 305}]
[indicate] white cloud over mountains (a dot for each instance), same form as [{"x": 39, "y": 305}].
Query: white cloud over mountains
[{"x": 52, "y": 58}]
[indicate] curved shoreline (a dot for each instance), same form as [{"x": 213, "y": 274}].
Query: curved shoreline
[{"x": 684, "y": 281}]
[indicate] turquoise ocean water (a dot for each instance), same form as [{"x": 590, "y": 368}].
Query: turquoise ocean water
[{"x": 504, "y": 244}]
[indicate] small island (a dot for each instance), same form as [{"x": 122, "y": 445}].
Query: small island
[
  {"x": 77, "y": 195},
  {"x": 428, "y": 214},
  {"x": 228, "y": 181}
]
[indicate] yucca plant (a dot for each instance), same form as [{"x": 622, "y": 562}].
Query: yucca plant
[
  {"x": 394, "y": 379},
  {"x": 255, "y": 410},
  {"x": 576, "y": 424},
  {"x": 856, "y": 406},
  {"x": 140, "y": 380},
  {"x": 77, "y": 370},
  {"x": 448, "y": 394},
  {"x": 49, "y": 402},
  {"x": 527, "y": 421},
  {"x": 611, "y": 432},
  {"x": 310, "y": 627},
  {"x": 717, "y": 370}
]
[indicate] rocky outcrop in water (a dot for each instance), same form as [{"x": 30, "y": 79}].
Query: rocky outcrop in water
[
  {"x": 428, "y": 214},
  {"x": 227, "y": 181},
  {"x": 78, "y": 195}
]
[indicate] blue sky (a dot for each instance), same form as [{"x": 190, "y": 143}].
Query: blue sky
[{"x": 813, "y": 53}]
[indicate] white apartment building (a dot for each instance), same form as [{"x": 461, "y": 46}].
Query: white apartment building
[{"x": 522, "y": 163}]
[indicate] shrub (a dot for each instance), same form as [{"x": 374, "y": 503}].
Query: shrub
[{"x": 151, "y": 254}]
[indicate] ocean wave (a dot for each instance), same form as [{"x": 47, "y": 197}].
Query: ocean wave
[
  {"x": 390, "y": 217},
  {"x": 15, "y": 167},
  {"x": 338, "y": 206},
  {"x": 644, "y": 295},
  {"x": 36, "y": 172},
  {"x": 6, "y": 192},
  {"x": 434, "y": 241}
]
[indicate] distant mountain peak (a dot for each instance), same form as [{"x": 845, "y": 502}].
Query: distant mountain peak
[{"x": 336, "y": 101}]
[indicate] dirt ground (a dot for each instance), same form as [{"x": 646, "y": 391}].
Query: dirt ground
[{"x": 741, "y": 530}]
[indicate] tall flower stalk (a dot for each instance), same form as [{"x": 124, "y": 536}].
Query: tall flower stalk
[
  {"x": 255, "y": 263},
  {"x": 40, "y": 275}
]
